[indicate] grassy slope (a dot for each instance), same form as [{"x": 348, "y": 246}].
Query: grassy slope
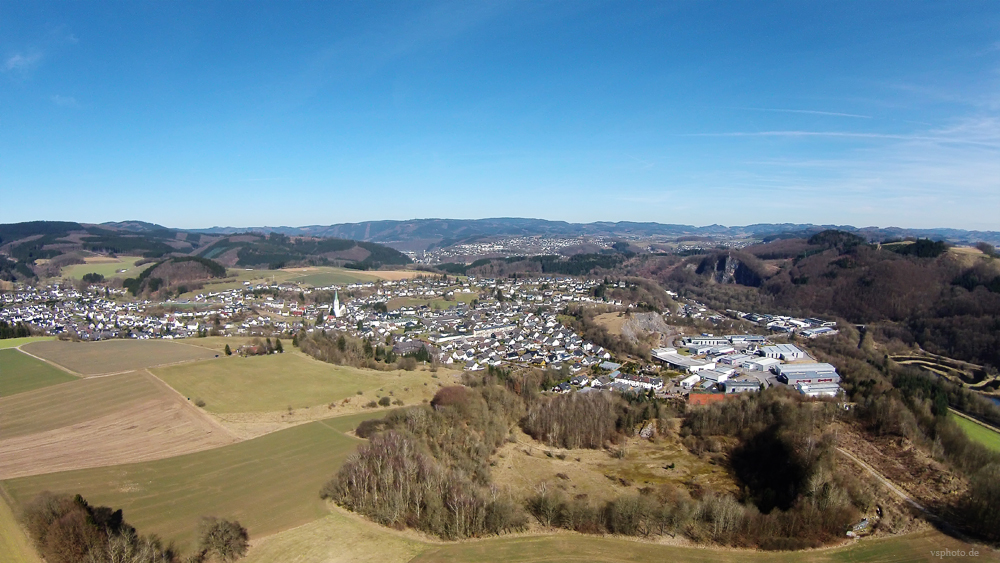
[
  {"x": 112, "y": 356},
  {"x": 574, "y": 547},
  {"x": 107, "y": 269},
  {"x": 20, "y": 372},
  {"x": 14, "y": 545},
  {"x": 979, "y": 433},
  {"x": 15, "y": 342},
  {"x": 269, "y": 484},
  {"x": 337, "y": 537},
  {"x": 72, "y": 402},
  {"x": 275, "y": 382}
]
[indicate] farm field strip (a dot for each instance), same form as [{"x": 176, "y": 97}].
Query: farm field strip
[
  {"x": 16, "y": 342},
  {"x": 292, "y": 379},
  {"x": 979, "y": 432},
  {"x": 910, "y": 548},
  {"x": 20, "y": 372},
  {"x": 15, "y": 547},
  {"x": 70, "y": 403},
  {"x": 269, "y": 484},
  {"x": 115, "y": 356}
]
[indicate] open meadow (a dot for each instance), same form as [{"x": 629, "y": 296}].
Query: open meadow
[
  {"x": 115, "y": 356},
  {"x": 269, "y": 484},
  {"x": 15, "y": 342},
  {"x": 99, "y": 422},
  {"x": 978, "y": 432},
  {"x": 107, "y": 267},
  {"x": 20, "y": 372},
  {"x": 279, "y": 381},
  {"x": 527, "y": 464}
]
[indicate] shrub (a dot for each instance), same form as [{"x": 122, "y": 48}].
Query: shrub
[
  {"x": 198, "y": 402},
  {"x": 385, "y": 401}
]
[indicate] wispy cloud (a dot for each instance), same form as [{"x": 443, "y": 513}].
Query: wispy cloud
[
  {"x": 809, "y": 112},
  {"x": 64, "y": 101},
  {"x": 25, "y": 60},
  {"x": 955, "y": 136},
  {"x": 20, "y": 62}
]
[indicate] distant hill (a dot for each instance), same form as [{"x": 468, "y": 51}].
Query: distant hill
[
  {"x": 424, "y": 234},
  {"x": 41, "y": 248},
  {"x": 190, "y": 271},
  {"x": 277, "y": 250},
  {"x": 946, "y": 300}
]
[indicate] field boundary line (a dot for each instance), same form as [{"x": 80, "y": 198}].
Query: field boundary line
[
  {"x": 50, "y": 362},
  {"x": 200, "y": 414},
  {"x": 976, "y": 420}
]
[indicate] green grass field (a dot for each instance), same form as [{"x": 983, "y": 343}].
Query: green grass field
[
  {"x": 15, "y": 342},
  {"x": 73, "y": 402},
  {"x": 15, "y": 547},
  {"x": 113, "y": 356},
  {"x": 269, "y": 483},
  {"x": 275, "y": 382},
  {"x": 107, "y": 269},
  {"x": 20, "y": 372},
  {"x": 979, "y": 433}
]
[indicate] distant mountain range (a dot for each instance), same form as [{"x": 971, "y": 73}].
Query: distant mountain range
[{"x": 421, "y": 234}]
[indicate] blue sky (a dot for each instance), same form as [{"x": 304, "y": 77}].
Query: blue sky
[{"x": 194, "y": 114}]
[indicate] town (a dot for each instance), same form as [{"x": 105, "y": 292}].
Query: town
[{"x": 465, "y": 323}]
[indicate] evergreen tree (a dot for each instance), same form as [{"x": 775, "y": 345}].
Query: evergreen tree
[
  {"x": 229, "y": 351},
  {"x": 278, "y": 347}
]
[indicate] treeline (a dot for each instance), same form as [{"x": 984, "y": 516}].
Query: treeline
[
  {"x": 427, "y": 467},
  {"x": 707, "y": 517},
  {"x": 344, "y": 349},
  {"x": 590, "y": 420},
  {"x": 19, "y": 330},
  {"x": 67, "y": 529}
]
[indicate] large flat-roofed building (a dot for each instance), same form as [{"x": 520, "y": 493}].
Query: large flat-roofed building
[
  {"x": 740, "y": 386},
  {"x": 818, "y": 389},
  {"x": 793, "y": 374},
  {"x": 716, "y": 375},
  {"x": 760, "y": 364},
  {"x": 684, "y": 363},
  {"x": 706, "y": 340},
  {"x": 786, "y": 352}
]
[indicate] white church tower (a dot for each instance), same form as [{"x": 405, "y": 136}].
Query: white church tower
[{"x": 338, "y": 311}]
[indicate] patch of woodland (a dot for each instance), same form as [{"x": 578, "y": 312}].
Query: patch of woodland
[
  {"x": 427, "y": 467},
  {"x": 345, "y": 349},
  {"x": 67, "y": 529}
]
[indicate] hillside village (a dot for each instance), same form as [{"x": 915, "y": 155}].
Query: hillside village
[{"x": 468, "y": 323}]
